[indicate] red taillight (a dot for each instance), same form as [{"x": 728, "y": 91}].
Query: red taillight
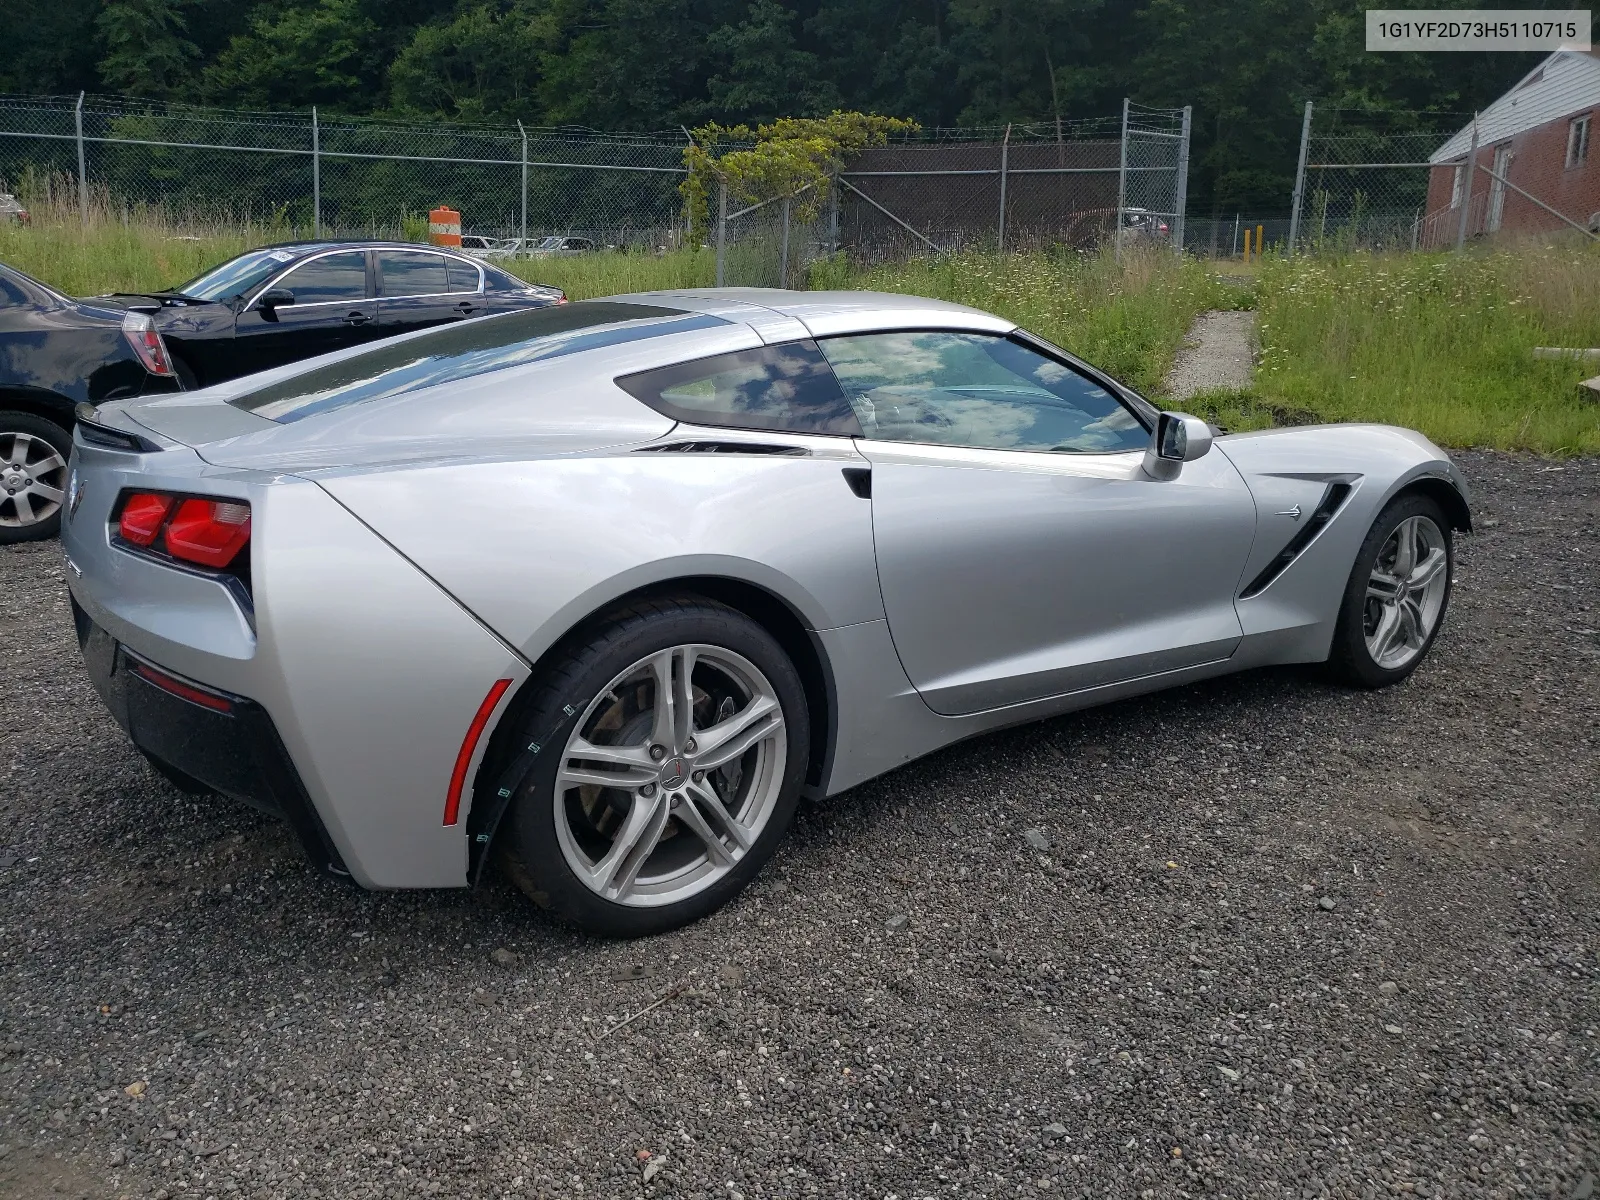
[
  {"x": 142, "y": 516},
  {"x": 141, "y": 333},
  {"x": 209, "y": 532}
]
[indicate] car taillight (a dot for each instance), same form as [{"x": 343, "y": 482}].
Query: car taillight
[
  {"x": 141, "y": 333},
  {"x": 208, "y": 532},
  {"x": 142, "y": 516}
]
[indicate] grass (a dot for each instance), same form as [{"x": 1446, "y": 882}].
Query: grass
[
  {"x": 1437, "y": 342},
  {"x": 1441, "y": 343}
]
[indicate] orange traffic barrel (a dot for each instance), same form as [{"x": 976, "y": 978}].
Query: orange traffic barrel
[{"x": 444, "y": 227}]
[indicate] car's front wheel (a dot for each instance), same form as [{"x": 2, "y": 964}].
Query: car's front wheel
[
  {"x": 1395, "y": 601},
  {"x": 673, "y": 778},
  {"x": 33, "y": 476}
]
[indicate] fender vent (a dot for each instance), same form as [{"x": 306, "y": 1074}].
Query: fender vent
[
  {"x": 723, "y": 448},
  {"x": 1332, "y": 498},
  {"x": 107, "y": 438}
]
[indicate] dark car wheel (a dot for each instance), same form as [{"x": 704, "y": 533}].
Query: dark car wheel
[
  {"x": 672, "y": 780},
  {"x": 33, "y": 476},
  {"x": 1395, "y": 601}
]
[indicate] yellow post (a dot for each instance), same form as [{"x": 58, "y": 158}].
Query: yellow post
[
  {"x": 1247, "y": 244},
  {"x": 1260, "y": 246}
]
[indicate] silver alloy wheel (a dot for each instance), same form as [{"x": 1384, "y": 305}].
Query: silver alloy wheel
[
  {"x": 670, "y": 776},
  {"x": 1405, "y": 594},
  {"x": 32, "y": 480}
]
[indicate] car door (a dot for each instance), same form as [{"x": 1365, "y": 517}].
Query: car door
[
  {"x": 1022, "y": 550},
  {"x": 332, "y": 308},
  {"x": 414, "y": 291}
]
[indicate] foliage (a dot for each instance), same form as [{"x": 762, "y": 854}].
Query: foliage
[
  {"x": 1247, "y": 66},
  {"x": 147, "y": 50},
  {"x": 1442, "y": 343},
  {"x": 793, "y": 156}
]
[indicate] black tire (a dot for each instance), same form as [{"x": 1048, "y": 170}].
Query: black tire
[
  {"x": 1350, "y": 660},
  {"x": 528, "y": 848},
  {"x": 12, "y": 423}
]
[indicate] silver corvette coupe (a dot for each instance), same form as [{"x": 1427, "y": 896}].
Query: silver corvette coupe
[{"x": 598, "y": 591}]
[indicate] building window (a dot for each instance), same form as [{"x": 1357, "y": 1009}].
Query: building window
[
  {"x": 1456, "y": 183},
  {"x": 1578, "y": 142}
]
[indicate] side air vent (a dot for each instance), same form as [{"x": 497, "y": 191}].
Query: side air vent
[
  {"x": 107, "y": 438},
  {"x": 722, "y": 448},
  {"x": 1332, "y": 498}
]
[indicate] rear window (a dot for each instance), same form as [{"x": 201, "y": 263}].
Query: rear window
[
  {"x": 464, "y": 350},
  {"x": 787, "y": 387}
]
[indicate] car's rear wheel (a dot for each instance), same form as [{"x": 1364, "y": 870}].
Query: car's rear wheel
[
  {"x": 674, "y": 777},
  {"x": 1399, "y": 589},
  {"x": 33, "y": 476}
]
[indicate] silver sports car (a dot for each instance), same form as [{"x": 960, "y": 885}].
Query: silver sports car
[{"x": 598, "y": 591}]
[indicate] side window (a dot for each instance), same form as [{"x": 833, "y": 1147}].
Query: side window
[
  {"x": 979, "y": 390},
  {"x": 11, "y": 294},
  {"x": 341, "y": 276},
  {"x": 787, "y": 388},
  {"x": 412, "y": 273},
  {"x": 463, "y": 276}
]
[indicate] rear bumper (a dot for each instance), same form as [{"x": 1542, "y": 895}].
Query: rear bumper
[{"x": 236, "y": 752}]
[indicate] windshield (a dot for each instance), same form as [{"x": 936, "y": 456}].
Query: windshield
[
  {"x": 549, "y": 243},
  {"x": 236, "y": 276}
]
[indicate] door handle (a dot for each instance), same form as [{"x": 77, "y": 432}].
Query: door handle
[
  {"x": 466, "y": 308},
  {"x": 357, "y": 318},
  {"x": 859, "y": 481}
]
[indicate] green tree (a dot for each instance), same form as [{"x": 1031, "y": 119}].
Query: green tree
[
  {"x": 477, "y": 66},
  {"x": 329, "y": 53},
  {"x": 766, "y": 75},
  {"x": 147, "y": 49}
]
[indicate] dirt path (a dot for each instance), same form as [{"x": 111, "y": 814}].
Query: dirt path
[{"x": 1218, "y": 353}]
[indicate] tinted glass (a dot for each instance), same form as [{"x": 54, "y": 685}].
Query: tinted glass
[
  {"x": 411, "y": 273},
  {"x": 786, "y": 387},
  {"x": 341, "y": 276},
  {"x": 11, "y": 294},
  {"x": 973, "y": 389},
  {"x": 463, "y": 276},
  {"x": 463, "y": 350},
  {"x": 237, "y": 276}
]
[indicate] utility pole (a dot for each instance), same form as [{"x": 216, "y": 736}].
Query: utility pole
[
  {"x": 1466, "y": 189},
  {"x": 1122, "y": 182},
  {"x": 1300, "y": 178},
  {"x": 1183, "y": 182},
  {"x": 316, "y": 176},
  {"x": 83, "y": 170}
]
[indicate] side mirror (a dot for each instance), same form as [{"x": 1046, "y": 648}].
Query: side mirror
[
  {"x": 1178, "y": 438},
  {"x": 269, "y": 301}
]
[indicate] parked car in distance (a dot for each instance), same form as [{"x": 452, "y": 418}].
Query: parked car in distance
[
  {"x": 603, "y": 589},
  {"x": 11, "y": 209},
  {"x": 560, "y": 247},
  {"x": 56, "y": 353},
  {"x": 280, "y": 304}
]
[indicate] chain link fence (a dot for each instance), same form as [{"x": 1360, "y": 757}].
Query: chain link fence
[
  {"x": 1429, "y": 181},
  {"x": 344, "y": 176},
  {"x": 1077, "y": 183}
]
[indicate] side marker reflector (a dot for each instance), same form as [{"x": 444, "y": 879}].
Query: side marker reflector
[
  {"x": 458, "y": 777},
  {"x": 177, "y": 687}
]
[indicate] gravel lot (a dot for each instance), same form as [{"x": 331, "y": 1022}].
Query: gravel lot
[{"x": 1260, "y": 937}]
